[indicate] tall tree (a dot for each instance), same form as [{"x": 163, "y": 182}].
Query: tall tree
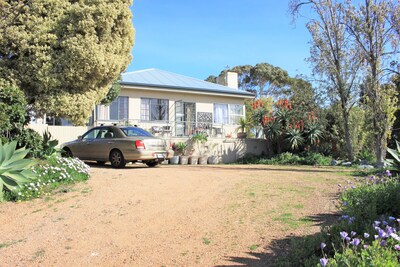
[
  {"x": 334, "y": 56},
  {"x": 372, "y": 28},
  {"x": 65, "y": 54},
  {"x": 263, "y": 79}
]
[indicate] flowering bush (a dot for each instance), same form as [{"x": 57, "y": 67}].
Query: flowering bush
[
  {"x": 288, "y": 128},
  {"x": 378, "y": 249},
  {"x": 50, "y": 175},
  {"x": 366, "y": 235}
]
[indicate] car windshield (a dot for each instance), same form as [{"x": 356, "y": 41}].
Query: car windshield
[{"x": 134, "y": 131}]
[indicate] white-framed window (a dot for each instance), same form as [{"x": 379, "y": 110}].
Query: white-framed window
[
  {"x": 228, "y": 113},
  {"x": 118, "y": 110},
  {"x": 221, "y": 113},
  {"x": 154, "y": 109},
  {"x": 235, "y": 113}
]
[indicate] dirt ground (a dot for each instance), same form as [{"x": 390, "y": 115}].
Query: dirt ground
[{"x": 220, "y": 215}]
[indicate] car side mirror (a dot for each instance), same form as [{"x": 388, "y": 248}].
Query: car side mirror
[{"x": 79, "y": 137}]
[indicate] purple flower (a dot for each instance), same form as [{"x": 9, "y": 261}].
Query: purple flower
[
  {"x": 353, "y": 187},
  {"x": 382, "y": 234},
  {"x": 397, "y": 247},
  {"x": 351, "y": 220},
  {"x": 343, "y": 234},
  {"x": 353, "y": 233},
  {"x": 347, "y": 239},
  {"x": 323, "y": 245},
  {"x": 383, "y": 243},
  {"x": 365, "y": 246},
  {"x": 388, "y": 173},
  {"x": 323, "y": 262},
  {"x": 395, "y": 236},
  {"x": 376, "y": 223},
  {"x": 391, "y": 218},
  {"x": 345, "y": 217},
  {"x": 366, "y": 235},
  {"x": 345, "y": 203},
  {"x": 355, "y": 242}
]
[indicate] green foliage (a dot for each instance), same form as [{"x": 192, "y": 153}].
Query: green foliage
[
  {"x": 374, "y": 198},
  {"x": 13, "y": 113},
  {"x": 200, "y": 137},
  {"x": 287, "y": 158},
  {"x": 56, "y": 64},
  {"x": 180, "y": 147},
  {"x": 395, "y": 162},
  {"x": 113, "y": 93},
  {"x": 49, "y": 145},
  {"x": 373, "y": 255},
  {"x": 14, "y": 168},
  {"x": 32, "y": 140},
  {"x": 52, "y": 174},
  {"x": 295, "y": 138}
]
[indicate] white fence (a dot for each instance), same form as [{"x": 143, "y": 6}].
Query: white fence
[{"x": 62, "y": 133}]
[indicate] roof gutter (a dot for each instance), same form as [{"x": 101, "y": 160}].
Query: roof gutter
[{"x": 201, "y": 91}]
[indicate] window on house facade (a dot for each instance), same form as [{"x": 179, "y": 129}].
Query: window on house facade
[
  {"x": 235, "y": 113},
  {"x": 118, "y": 110},
  {"x": 153, "y": 109},
  {"x": 221, "y": 113},
  {"x": 227, "y": 114}
]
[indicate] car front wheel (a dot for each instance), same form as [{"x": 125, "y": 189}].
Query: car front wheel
[{"x": 117, "y": 159}]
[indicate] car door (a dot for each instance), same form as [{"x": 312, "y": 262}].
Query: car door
[
  {"x": 101, "y": 146},
  {"x": 86, "y": 148}
]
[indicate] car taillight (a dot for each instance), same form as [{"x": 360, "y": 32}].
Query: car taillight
[{"x": 139, "y": 144}]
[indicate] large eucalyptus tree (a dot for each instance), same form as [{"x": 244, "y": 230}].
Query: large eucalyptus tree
[{"x": 65, "y": 54}]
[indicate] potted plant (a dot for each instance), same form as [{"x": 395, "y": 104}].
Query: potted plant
[
  {"x": 200, "y": 139},
  {"x": 243, "y": 126},
  {"x": 213, "y": 159},
  {"x": 175, "y": 159},
  {"x": 181, "y": 149}
]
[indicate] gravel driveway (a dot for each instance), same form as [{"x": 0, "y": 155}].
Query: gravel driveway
[{"x": 169, "y": 216}]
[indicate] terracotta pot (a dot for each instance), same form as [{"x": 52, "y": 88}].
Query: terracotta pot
[{"x": 241, "y": 135}]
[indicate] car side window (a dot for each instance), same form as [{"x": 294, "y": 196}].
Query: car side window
[{"x": 91, "y": 134}]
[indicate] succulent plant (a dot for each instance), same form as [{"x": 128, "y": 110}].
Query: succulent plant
[{"x": 14, "y": 168}]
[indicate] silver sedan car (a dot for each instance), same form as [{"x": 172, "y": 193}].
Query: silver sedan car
[{"x": 119, "y": 145}]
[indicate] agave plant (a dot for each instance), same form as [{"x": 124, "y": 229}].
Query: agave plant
[
  {"x": 14, "y": 168},
  {"x": 395, "y": 162}
]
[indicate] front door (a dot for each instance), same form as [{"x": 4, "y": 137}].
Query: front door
[{"x": 185, "y": 118}]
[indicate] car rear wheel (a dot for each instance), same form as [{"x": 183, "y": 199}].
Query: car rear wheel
[
  {"x": 117, "y": 159},
  {"x": 152, "y": 163},
  {"x": 66, "y": 153}
]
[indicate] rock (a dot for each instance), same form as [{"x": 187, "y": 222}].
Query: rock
[
  {"x": 334, "y": 162},
  {"x": 365, "y": 166},
  {"x": 346, "y": 164}
]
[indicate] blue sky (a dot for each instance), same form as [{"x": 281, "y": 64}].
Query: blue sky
[{"x": 199, "y": 38}]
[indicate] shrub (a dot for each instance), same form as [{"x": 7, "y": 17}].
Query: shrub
[
  {"x": 371, "y": 197},
  {"x": 32, "y": 140},
  {"x": 51, "y": 175},
  {"x": 14, "y": 169}
]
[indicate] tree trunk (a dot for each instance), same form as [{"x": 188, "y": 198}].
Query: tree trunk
[{"x": 349, "y": 145}]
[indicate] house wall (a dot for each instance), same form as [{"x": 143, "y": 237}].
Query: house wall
[{"x": 204, "y": 103}]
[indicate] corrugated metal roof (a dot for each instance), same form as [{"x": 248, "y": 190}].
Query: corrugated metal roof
[{"x": 168, "y": 80}]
